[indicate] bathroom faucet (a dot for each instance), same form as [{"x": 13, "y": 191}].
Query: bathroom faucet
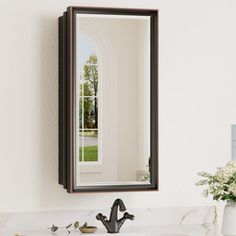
[{"x": 113, "y": 225}]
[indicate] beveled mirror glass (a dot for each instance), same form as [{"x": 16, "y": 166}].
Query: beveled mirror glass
[{"x": 108, "y": 99}]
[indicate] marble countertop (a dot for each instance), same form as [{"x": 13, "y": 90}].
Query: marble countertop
[
  {"x": 166, "y": 221},
  {"x": 159, "y": 230}
]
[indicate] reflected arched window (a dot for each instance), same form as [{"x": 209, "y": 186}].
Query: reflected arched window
[{"x": 88, "y": 101}]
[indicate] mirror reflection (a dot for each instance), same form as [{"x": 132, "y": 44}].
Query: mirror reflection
[{"x": 112, "y": 100}]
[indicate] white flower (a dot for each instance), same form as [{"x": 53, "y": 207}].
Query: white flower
[
  {"x": 222, "y": 185},
  {"x": 202, "y": 182},
  {"x": 223, "y": 175},
  {"x": 204, "y": 174},
  {"x": 231, "y": 165},
  {"x": 232, "y": 188},
  {"x": 216, "y": 188}
]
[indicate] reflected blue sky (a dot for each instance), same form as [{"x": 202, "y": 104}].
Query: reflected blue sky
[{"x": 86, "y": 48}]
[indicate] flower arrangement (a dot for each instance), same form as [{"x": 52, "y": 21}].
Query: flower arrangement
[{"x": 222, "y": 184}]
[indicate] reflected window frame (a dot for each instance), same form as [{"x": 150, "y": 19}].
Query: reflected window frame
[{"x": 81, "y": 97}]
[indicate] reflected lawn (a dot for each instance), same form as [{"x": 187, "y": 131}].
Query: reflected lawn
[{"x": 90, "y": 153}]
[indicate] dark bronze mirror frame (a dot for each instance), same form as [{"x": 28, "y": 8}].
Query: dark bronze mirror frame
[{"x": 67, "y": 96}]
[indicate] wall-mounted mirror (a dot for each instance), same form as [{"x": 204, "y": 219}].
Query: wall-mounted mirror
[{"x": 108, "y": 121}]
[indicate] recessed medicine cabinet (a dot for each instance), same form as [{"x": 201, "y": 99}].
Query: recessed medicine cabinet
[{"x": 108, "y": 99}]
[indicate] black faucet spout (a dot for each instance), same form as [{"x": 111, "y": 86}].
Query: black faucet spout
[
  {"x": 120, "y": 203},
  {"x": 114, "y": 209}
]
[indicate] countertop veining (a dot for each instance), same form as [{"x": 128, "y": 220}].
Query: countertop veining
[
  {"x": 165, "y": 221},
  {"x": 160, "y": 230}
]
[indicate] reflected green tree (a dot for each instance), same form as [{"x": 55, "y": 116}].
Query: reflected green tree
[
  {"x": 91, "y": 79},
  {"x": 90, "y": 84}
]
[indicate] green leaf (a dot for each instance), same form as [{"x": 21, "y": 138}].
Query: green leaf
[
  {"x": 216, "y": 197},
  {"x": 234, "y": 176}
]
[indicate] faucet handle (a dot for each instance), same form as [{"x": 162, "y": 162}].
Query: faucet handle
[
  {"x": 129, "y": 216},
  {"x": 100, "y": 217}
]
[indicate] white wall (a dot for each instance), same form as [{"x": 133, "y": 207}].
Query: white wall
[
  {"x": 197, "y": 101},
  {"x": 144, "y": 96}
]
